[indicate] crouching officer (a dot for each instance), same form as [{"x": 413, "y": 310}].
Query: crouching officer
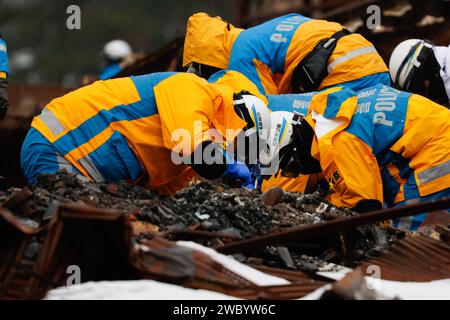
[
  {"x": 288, "y": 54},
  {"x": 421, "y": 67},
  {"x": 382, "y": 146},
  {"x": 4, "y": 104},
  {"x": 147, "y": 129}
]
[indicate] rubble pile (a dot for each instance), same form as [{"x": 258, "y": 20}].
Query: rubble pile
[
  {"x": 211, "y": 214},
  {"x": 238, "y": 212},
  {"x": 135, "y": 236}
]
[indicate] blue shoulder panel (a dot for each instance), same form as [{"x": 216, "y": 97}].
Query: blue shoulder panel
[
  {"x": 366, "y": 82},
  {"x": 216, "y": 76},
  {"x": 268, "y": 43},
  {"x": 380, "y": 117},
  {"x": 290, "y": 102},
  {"x": 3, "y": 56},
  {"x": 145, "y": 83}
]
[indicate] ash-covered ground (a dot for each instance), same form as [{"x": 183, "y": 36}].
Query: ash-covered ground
[
  {"x": 230, "y": 213},
  {"x": 213, "y": 207}
]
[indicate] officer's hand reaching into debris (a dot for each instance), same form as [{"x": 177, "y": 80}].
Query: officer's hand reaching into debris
[{"x": 239, "y": 171}]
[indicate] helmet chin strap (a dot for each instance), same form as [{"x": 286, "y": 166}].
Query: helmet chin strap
[{"x": 298, "y": 159}]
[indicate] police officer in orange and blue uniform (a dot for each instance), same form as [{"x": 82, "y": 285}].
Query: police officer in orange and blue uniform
[
  {"x": 122, "y": 129},
  {"x": 377, "y": 147},
  {"x": 4, "y": 70},
  {"x": 288, "y": 54}
]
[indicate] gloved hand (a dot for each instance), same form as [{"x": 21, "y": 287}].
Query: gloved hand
[
  {"x": 367, "y": 205},
  {"x": 239, "y": 171}
]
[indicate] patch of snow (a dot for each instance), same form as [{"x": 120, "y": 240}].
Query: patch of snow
[
  {"x": 132, "y": 290},
  {"x": 251, "y": 274}
]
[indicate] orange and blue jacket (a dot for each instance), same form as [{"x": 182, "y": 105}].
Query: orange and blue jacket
[
  {"x": 268, "y": 53},
  {"x": 131, "y": 120},
  {"x": 380, "y": 144},
  {"x": 3, "y": 59}
]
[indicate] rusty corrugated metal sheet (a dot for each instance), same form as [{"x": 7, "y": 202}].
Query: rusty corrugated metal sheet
[
  {"x": 281, "y": 292},
  {"x": 414, "y": 258},
  {"x": 302, "y": 283},
  {"x": 100, "y": 242},
  {"x": 163, "y": 260},
  {"x": 97, "y": 241}
]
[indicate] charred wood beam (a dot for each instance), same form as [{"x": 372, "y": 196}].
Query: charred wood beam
[{"x": 331, "y": 227}]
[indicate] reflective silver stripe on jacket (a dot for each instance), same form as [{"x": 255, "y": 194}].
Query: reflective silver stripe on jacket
[
  {"x": 51, "y": 122},
  {"x": 434, "y": 172},
  {"x": 63, "y": 164},
  {"x": 350, "y": 55},
  {"x": 90, "y": 167}
]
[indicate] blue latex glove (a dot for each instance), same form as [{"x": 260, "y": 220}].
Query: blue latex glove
[
  {"x": 255, "y": 171},
  {"x": 239, "y": 171}
]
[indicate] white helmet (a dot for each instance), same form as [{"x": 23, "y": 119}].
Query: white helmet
[
  {"x": 116, "y": 49},
  {"x": 280, "y": 134},
  {"x": 404, "y": 61},
  {"x": 255, "y": 112}
]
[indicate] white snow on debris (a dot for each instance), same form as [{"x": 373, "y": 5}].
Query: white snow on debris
[
  {"x": 338, "y": 272},
  {"x": 433, "y": 290},
  {"x": 132, "y": 290},
  {"x": 154, "y": 290},
  {"x": 251, "y": 274}
]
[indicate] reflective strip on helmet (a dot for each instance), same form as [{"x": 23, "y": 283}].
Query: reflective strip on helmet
[
  {"x": 90, "y": 167},
  {"x": 434, "y": 172},
  {"x": 51, "y": 121},
  {"x": 404, "y": 72},
  {"x": 350, "y": 55},
  {"x": 282, "y": 132}
]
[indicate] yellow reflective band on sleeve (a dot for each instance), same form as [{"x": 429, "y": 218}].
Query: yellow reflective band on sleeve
[
  {"x": 84, "y": 150},
  {"x": 3, "y": 75},
  {"x": 91, "y": 145}
]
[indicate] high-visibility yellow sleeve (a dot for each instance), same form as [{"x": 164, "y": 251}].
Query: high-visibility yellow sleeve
[
  {"x": 353, "y": 174},
  {"x": 188, "y": 107}
]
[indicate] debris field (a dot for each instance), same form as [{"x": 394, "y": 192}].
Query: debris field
[{"x": 212, "y": 215}]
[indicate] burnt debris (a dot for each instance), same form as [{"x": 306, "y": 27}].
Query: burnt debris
[
  {"x": 211, "y": 214},
  {"x": 240, "y": 213}
]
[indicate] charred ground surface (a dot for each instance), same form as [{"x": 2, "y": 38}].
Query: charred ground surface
[{"x": 209, "y": 214}]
